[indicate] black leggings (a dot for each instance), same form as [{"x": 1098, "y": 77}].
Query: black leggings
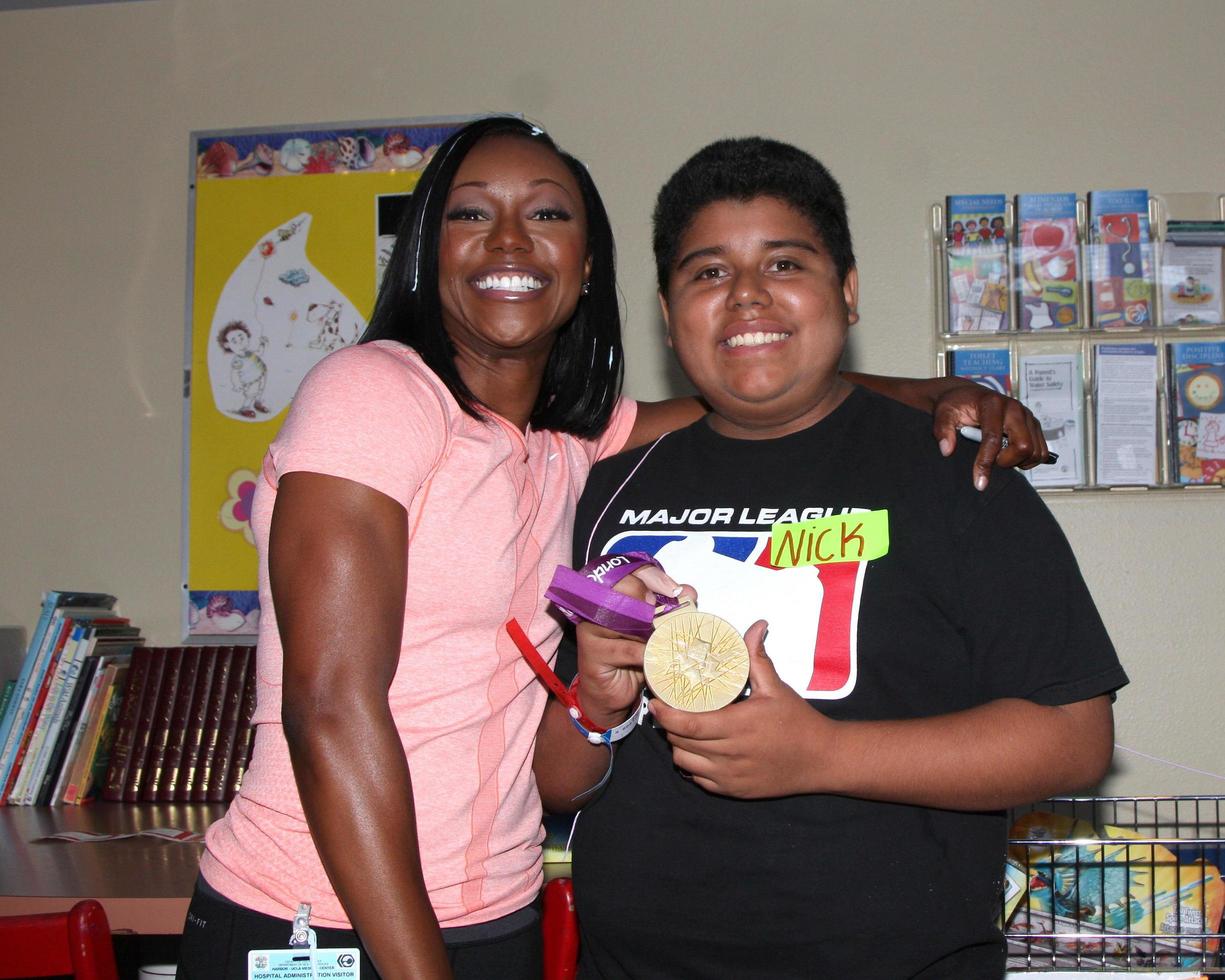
[{"x": 218, "y": 934}]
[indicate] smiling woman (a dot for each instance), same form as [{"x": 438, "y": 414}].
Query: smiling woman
[
  {"x": 418, "y": 496},
  {"x": 513, "y": 259},
  {"x": 504, "y": 200},
  {"x": 421, "y": 486}
]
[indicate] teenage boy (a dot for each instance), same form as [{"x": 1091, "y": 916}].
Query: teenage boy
[{"x": 934, "y": 656}]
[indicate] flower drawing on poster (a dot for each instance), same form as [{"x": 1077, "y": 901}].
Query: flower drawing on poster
[
  {"x": 276, "y": 317},
  {"x": 236, "y": 511}
]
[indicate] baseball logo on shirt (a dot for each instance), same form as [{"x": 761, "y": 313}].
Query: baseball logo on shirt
[{"x": 813, "y": 611}]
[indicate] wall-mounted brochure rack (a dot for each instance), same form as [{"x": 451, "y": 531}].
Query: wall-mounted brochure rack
[{"x": 1104, "y": 317}]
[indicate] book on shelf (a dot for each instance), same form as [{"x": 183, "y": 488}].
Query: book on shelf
[
  {"x": 182, "y": 782},
  {"x": 58, "y": 709},
  {"x": 57, "y": 659},
  {"x": 60, "y": 651},
  {"x": 66, "y": 732},
  {"x": 125, "y": 725},
  {"x": 1048, "y": 263},
  {"x": 34, "y": 664},
  {"x": 1051, "y": 388},
  {"x": 85, "y": 730},
  {"x": 987, "y": 366},
  {"x": 108, "y": 716},
  {"x": 107, "y": 646},
  {"x": 163, "y": 672},
  {"x": 1191, "y": 285},
  {"x": 1120, "y": 260},
  {"x": 1125, "y": 381},
  {"x": 1196, "y": 379},
  {"x": 977, "y": 250},
  {"x": 96, "y": 762},
  {"x": 6, "y": 695},
  {"x": 223, "y": 678},
  {"x": 161, "y": 719},
  {"x": 244, "y": 736},
  {"x": 165, "y": 766}
]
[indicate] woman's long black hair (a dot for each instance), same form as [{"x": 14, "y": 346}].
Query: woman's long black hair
[{"x": 582, "y": 378}]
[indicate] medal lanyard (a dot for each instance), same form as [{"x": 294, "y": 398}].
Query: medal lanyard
[{"x": 588, "y": 596}]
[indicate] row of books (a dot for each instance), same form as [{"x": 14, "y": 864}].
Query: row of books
[
  {"x": 94, "y": 712},
  {"x": 1127, "y": 406},
  {"x": 1032, "y": 252},
  {"x": 76, "y": 631},
  {"x": 183, "y": 732}
]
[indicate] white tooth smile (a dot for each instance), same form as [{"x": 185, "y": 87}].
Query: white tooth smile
[
  {"x": 510, "y": 284},
  {"x": 755, "y": 339}
]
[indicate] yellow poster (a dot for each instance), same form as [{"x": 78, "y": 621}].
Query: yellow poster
[{"x": 291, "y": 230}]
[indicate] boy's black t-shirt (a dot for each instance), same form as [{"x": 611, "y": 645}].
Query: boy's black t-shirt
[{"x": 977, "y": 598}]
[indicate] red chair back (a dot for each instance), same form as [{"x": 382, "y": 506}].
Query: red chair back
[
  {"x": 560, "y": 925},
  {"x": 76, "y": 943}
]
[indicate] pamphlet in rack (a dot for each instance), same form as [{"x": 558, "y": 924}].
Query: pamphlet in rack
[
  {"x": 1190, "y": 285},
  {"x": 1197, "y": 406},
  {"x": 1051, "y": 388},
  {"x": 989, "y": 366},
  {"x": 1048, "y": 264},
  {"x": 1126, "y": 414},
  {"x": 1103, "y": 312},
  {"x": 1120, "y": 259},
  {"x": 977, "y": 263}
]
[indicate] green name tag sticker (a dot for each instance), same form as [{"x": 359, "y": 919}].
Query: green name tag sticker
[{"x": 827, "y": 540}]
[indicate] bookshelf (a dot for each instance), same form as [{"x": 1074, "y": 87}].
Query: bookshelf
[{"x": 161, "y": 736}]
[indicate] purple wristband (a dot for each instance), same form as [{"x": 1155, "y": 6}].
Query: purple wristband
[{"x": 588, "y": 595}]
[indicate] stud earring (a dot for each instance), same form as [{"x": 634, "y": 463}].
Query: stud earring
[{"x": 586, "y": 288}]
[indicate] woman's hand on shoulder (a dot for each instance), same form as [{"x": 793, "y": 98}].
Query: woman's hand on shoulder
[
  {"x": 956, "y": 402},
  {"x": 997, "y": 416}
]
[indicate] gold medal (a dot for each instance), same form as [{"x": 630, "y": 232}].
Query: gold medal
[{"x": 695, "y": 661}]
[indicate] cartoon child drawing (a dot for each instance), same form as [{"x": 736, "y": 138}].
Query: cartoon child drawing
[
  {"x": 984, "y": 230},
  {"x": 248, "y": 372},
  {"x": 959, "y": 233},
  {"x": 997, "y": 227}
]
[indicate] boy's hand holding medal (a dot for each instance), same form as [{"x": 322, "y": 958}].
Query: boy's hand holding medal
[
  {"x": 769, "y": 745},
  {"x": 692, "y": 660},
  {"x": 637, "y": 627}
]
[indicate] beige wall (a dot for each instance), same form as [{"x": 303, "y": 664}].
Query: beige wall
[{"x": 906, "y": 102}]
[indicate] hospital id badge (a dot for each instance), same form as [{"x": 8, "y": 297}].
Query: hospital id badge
[
  {"x": 304, "y": 964},
  {"x": 303, "y": 960}
]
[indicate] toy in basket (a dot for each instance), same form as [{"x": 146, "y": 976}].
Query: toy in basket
[{"x": 1110, "y": 894}]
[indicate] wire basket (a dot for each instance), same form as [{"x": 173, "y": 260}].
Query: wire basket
[{"x": 1116, "y": 883}]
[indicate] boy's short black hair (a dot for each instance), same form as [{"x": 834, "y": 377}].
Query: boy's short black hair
[{"x": 740, "y": 170}]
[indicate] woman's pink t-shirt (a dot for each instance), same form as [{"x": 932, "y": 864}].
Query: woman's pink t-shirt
[{"x": 490, "y": 513}]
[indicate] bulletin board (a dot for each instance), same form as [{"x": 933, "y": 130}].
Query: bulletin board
[{"x": 289, "y": 231}]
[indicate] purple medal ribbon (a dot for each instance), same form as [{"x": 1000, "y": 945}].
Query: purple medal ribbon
[{"x": 588, "y": 595}]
